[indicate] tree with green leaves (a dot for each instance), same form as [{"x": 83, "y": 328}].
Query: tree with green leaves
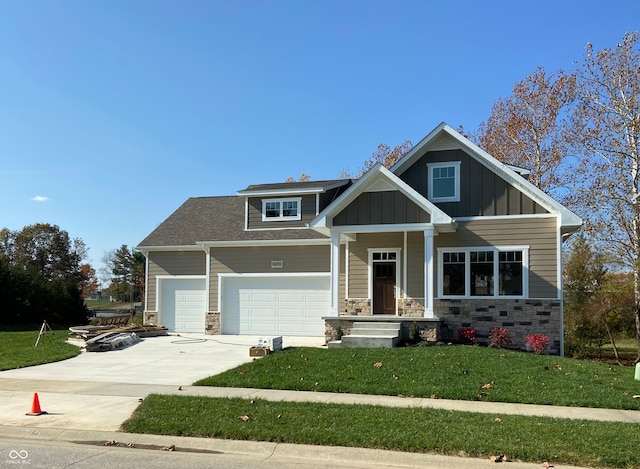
[{"x": 125, "y": 269}]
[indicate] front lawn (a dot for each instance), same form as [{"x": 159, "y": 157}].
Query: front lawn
[
  {"x": 446, "y": 372},
  {"x": 534, "y": 439},
  {"x": 17, "y": 348}
]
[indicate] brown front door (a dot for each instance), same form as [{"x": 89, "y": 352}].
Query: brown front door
[{"x": 384, "y": 286}]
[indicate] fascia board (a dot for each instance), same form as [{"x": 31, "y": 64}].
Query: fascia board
[
  {"x": 183, "y": 247},
  {"x": 306, "y": 190},
  {"x": 281, "y": 242}
]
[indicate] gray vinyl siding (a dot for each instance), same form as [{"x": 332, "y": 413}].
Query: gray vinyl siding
[
  {"x": 308, "y": 212},
  {"x": 482, "y": 192},
  {"x": 258, "y": 260},
  {"x": 540, "y": 234},
  {"x": 359, "y": 260},
  {"x": 377, "y": 208},
  {"x": 173, "y": 263}
]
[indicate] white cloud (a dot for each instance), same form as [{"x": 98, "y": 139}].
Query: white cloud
[{"x": 39, "y": 198}]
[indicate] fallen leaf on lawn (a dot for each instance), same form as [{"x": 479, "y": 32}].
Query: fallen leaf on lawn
[
  {"x": 244, "y": 418},
  {"x": 546, "y": 464},
  {"x": 433, "y": 396},
  {"x": 497, "y": 419},
  {"x": 244, "y": 372},
  {"x": 500, "y": 458},
  {"x": 378, "y": 365},
  {"x": 487, "y": 386},
  {"x": 395, "y": 376},
  {"x": 637, "y": 396},
  {"x": 169, "y": 448},
  {"x": 557, "y": 367}
]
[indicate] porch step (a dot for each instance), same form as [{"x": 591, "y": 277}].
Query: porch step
[{"x": 372, "y": 335}]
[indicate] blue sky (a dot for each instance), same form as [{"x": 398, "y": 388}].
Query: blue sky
[{"x": 114, "y": 112}]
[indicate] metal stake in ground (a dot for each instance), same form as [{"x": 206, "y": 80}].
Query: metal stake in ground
[{"x": 43, "y": 331}]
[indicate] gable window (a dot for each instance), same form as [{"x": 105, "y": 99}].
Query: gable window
[
  {"x": 281, "y": 209},
  {"x": 444, "y": 181},
  {"x": 483, "y": 272}
]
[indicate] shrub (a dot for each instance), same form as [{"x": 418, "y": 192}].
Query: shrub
[
  {"x": 537, "y": 342},
  {"x": 414, "y": 332},
  {"x": 499, "y": 337},
  {"x": 467, "y": 335}
]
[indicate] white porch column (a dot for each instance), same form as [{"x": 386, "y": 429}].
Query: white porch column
[
  {"x": 428, "y": 273},
  {"x": 335, "y": 273}
]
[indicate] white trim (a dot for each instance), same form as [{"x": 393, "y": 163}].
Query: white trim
[
  {"x": 507, "y": 217},
  {"x": 496, "y": 264},
  {"x": 382, "y": 228},
  {"x": 456, "y": 181},
  {"x": 371, "y": 261},
  {"x": 160, "y": 279},
  {"x": 207, "y": 250},
  {"x": 146, "y": 283},
  {"x": 347, "y": 253},
  {"x": 246, "y": 213},
  {"x": 428, "y": 273},
  {"x": 281, "y": 217},
  {"x": 560, "y": 290},
  {"x": 404, "y": 264},
  {"x": 335, "y": 273},
  {"x": 293, "y": 191},
  {"x": 266, "y": 242}
]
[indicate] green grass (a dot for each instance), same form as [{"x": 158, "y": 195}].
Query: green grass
[
  {"x": 447, "y": 372},
  {"x": 584, "y": 443},
  {"x": 17, "y": 348}
]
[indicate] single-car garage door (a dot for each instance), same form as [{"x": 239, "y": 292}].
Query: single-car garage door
[
  {"x": 183, "y": 305},
  {"x": 290, "y": 305}
]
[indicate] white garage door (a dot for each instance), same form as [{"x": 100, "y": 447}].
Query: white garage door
[
  {"x": 275, "y": 305},
  {"x": 183, "y": 305}
]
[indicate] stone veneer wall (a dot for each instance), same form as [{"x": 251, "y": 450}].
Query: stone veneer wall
[
  {"x": 356, "y": 307},
  {"x": 520, "y": 317},
  {"x": 212, "y": 323},
  {"x": 150, "y": 317}
]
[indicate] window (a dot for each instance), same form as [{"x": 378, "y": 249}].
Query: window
[
  {"x": 281, "y": 209},
  {"x": 483, "y": 272},
  {"x": 444, "y": 181}
]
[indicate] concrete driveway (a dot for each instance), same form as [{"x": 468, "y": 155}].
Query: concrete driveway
[{"x": 100, "y": 390}]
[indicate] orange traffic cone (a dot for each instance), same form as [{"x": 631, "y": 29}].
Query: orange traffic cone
[{"x": 35, "y": 407}]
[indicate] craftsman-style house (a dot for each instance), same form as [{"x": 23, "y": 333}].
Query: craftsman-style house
[{"x": 448, "y": 238}]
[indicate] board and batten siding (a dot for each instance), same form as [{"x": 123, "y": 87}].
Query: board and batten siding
[
  {"x": 482, "y": 192},
  {"x": 254, "y": 213},
  {"x": 540, "y": 234},
  {"x": 415, "y": 264},
  {"x": 258, "y": 259},
  {"x": 377, "y": 208},
  {"x": 172, "y": 263}
]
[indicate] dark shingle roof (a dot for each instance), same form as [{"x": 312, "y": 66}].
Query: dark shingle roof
[
  {"x": 297, "y": 185},
  {"x": 214, "y": 219}
]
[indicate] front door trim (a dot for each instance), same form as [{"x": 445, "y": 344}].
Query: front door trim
[{"x": 383, "y": 255}]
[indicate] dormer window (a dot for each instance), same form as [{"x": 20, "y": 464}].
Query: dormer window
[
  {"x": 444, "y": 181},
  {"x": 281, "y": 209}
]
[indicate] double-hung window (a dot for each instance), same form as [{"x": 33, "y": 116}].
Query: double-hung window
[
  {"x": 483, "y": 272},
  {"x": 444, "y": 181},
  {"x": 281, "y": 209}
]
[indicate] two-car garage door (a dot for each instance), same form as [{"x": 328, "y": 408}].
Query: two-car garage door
[
  {"x": 287, "y": 305},
  {"x": 253, "y": 305}
]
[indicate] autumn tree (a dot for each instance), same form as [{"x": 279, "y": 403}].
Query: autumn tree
[
  {"x": 303, "y": 178},
  {"x": 527, "y": 129},
  {"x": 386, "y": 155},
  {"x": 606, "y": 132}
]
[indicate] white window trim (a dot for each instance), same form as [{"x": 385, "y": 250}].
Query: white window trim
[
  {"x": 496, "y": 267},
  {"x": 372, "y": 251},
  {"x": 445, "y": 164},
  {"x": 298, "y": 201}
]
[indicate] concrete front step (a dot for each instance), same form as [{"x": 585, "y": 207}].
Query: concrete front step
[
  {"x": 394, "y": 326},
  {"x": 356, "y": 341}
]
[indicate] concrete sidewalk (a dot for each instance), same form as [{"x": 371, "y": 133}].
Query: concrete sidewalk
[{"x": 90, "y": 396}]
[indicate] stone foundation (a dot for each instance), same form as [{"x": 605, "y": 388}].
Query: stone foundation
[
  {"x": 429, "y": 328},
  {"x": 520, "y": 317},
  {"x": 150, "y": 318},
  {"x": 411, "y": 307},
  {"x": 356, "y": 307},
  {"x": 212, "y": 323}
]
